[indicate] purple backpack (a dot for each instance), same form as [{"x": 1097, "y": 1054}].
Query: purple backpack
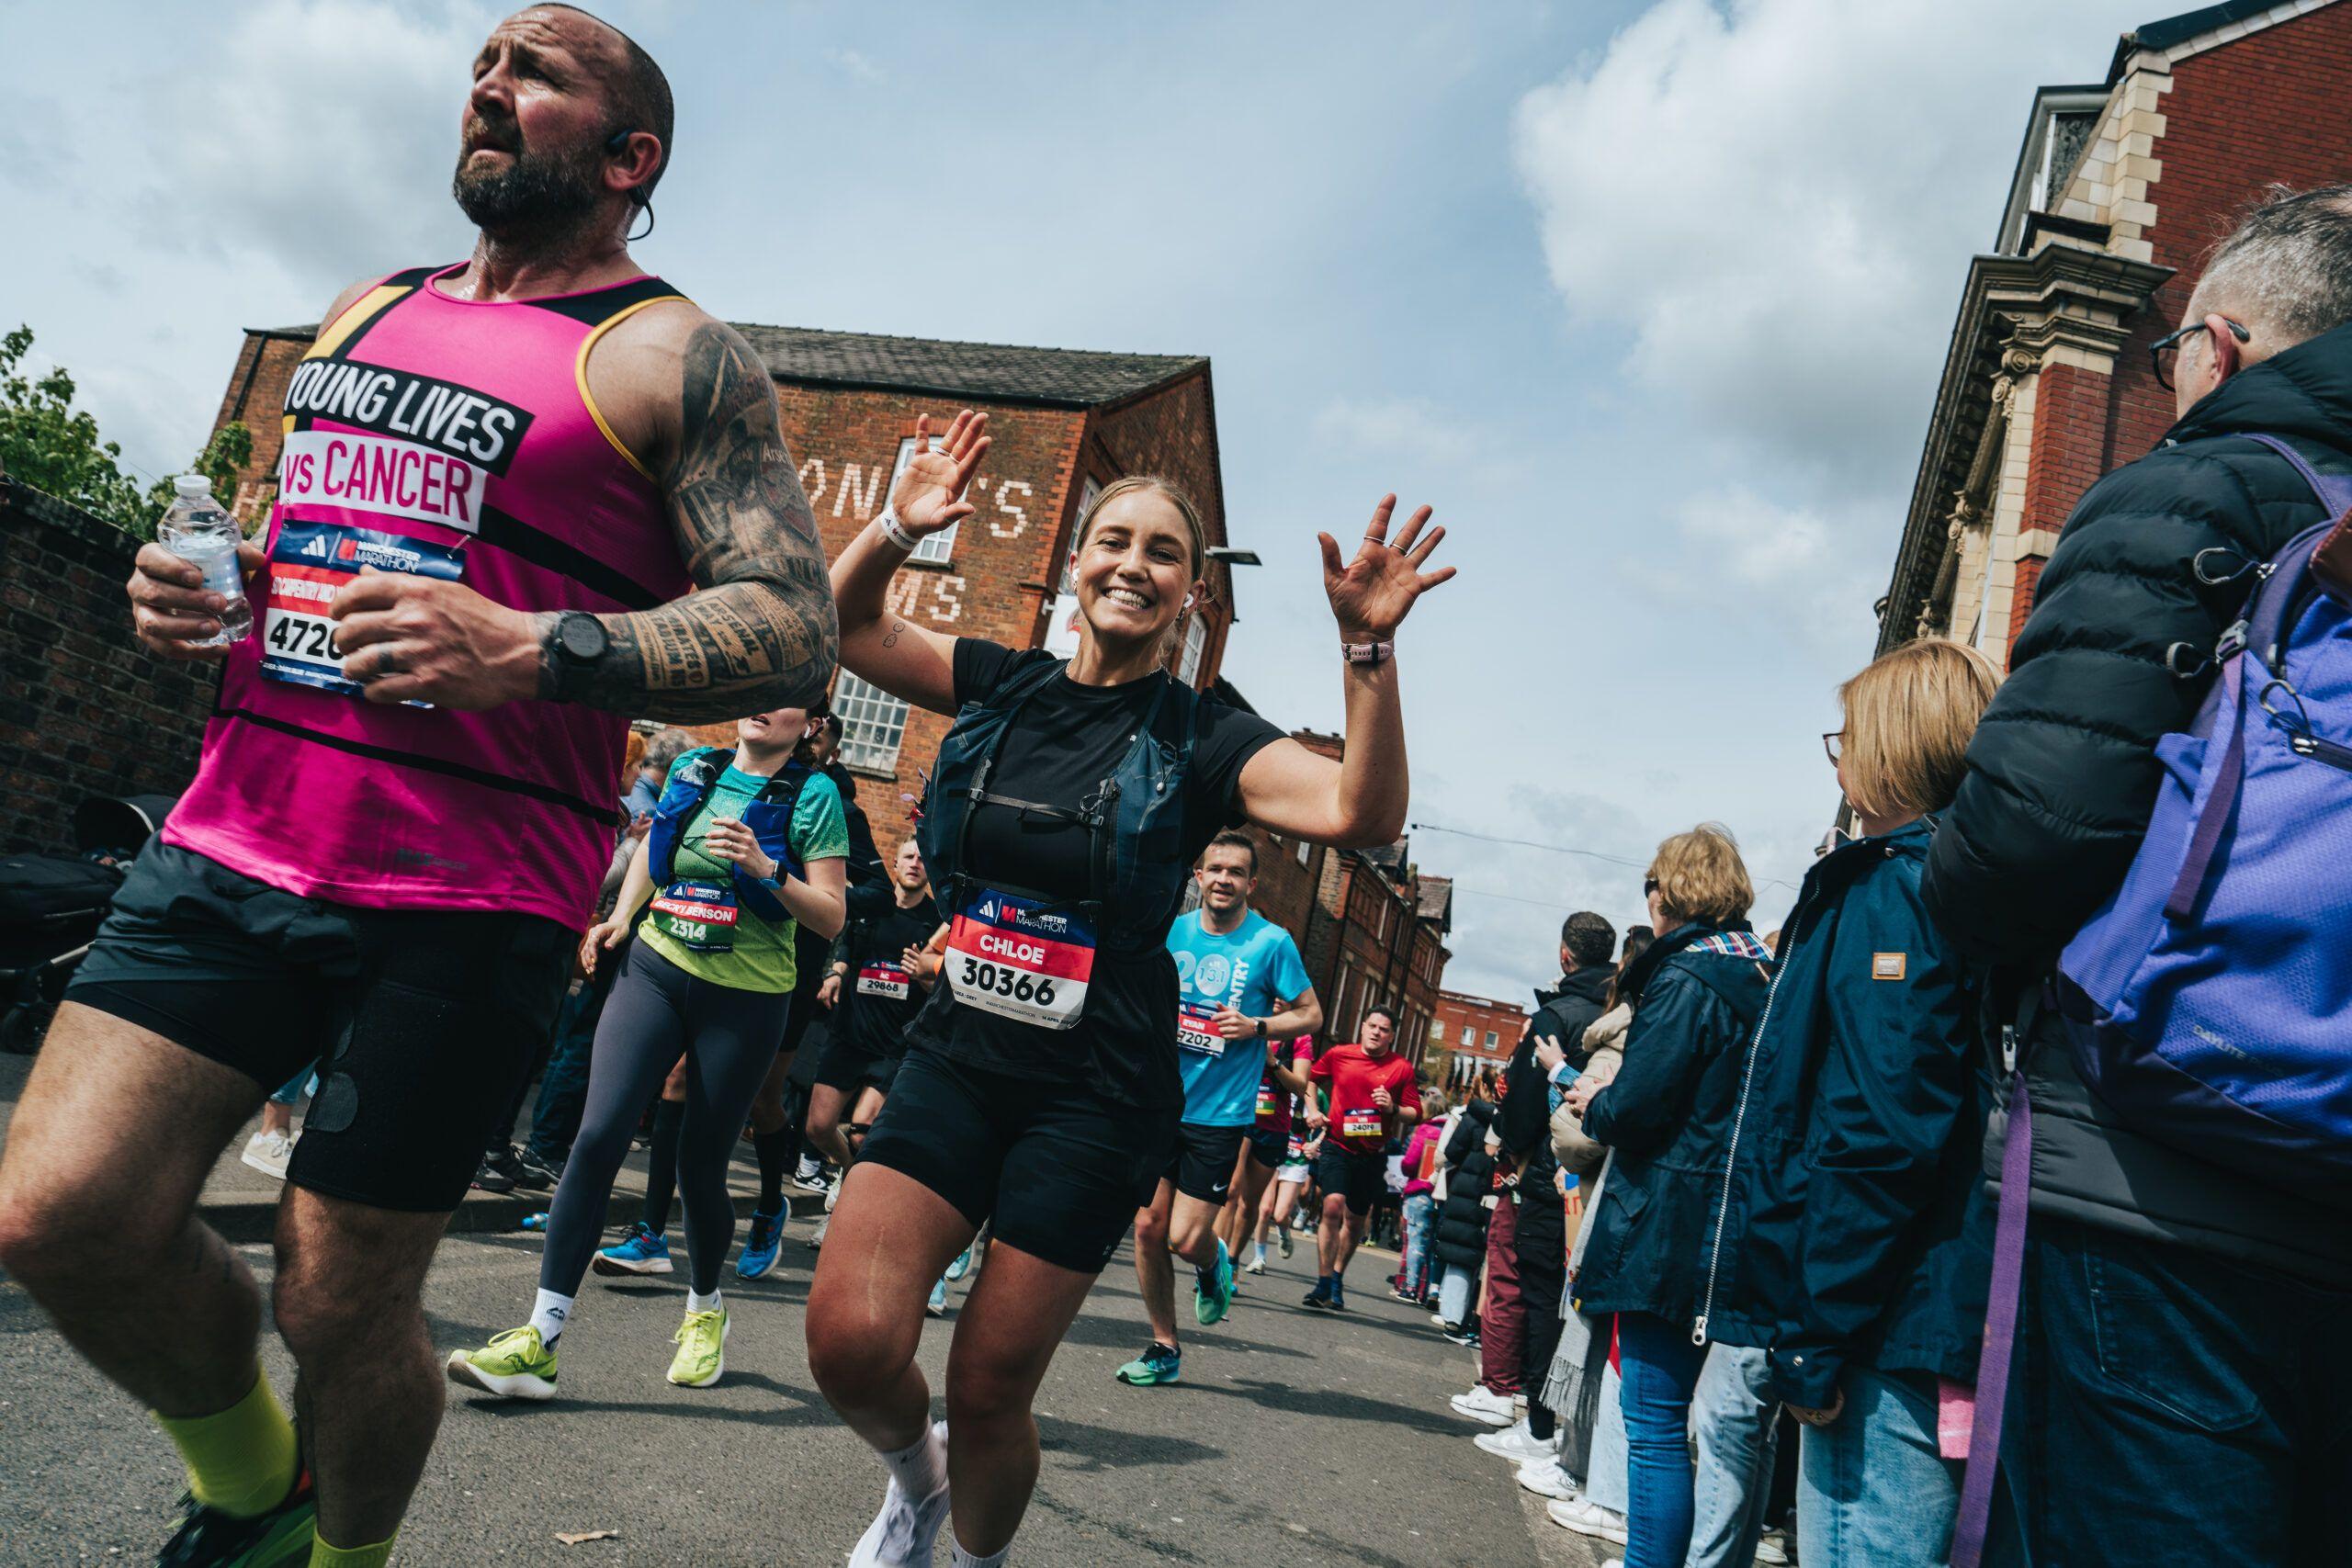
[{"x": 2209, "y": 1003}]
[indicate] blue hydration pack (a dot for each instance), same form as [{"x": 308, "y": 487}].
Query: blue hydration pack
[
  {"x": 1135, "y": 817},
  {"x": 768, "y": 815},
  {"x": 2209, "y": 1003}
]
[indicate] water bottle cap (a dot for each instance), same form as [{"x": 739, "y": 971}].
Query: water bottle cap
[{"x": 192, "y": 484}]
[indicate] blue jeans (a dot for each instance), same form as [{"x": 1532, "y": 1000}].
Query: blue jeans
[
  {"x": 1872, "y": 1491},
  {"x": 2170, "y": 1406},
  {"x": 293, "y": 1092},
  {"x": 563, "y": 1083},
  {"x": 1734, "y": 1415},
  {"x": 1454, "y": 1288},
  {"x": 1421, "y": 1219},
  {"x": 1661, "y": 1371}
]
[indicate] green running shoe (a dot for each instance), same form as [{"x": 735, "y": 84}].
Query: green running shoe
[
  {"x": 702, "y": 1349},
  {"x": 1157, "y": 1364},
  {"x": 1213, "y": 1288},
  {"x": 279, "y": 1539},
  {"x": 514, "y": 1365}
]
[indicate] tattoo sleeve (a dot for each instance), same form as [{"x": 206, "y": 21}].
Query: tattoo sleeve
[{"x": 760, "y": 631}]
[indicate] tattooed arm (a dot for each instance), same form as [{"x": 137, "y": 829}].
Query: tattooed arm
[{"x": 760, "y": 632}]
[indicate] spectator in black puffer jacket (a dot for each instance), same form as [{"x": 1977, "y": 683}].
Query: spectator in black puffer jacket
[
  {"x": 1668, "y": 1118},
  {"x": 1461, "y": 1219},
  {"x": 2182, "y": 1364}
]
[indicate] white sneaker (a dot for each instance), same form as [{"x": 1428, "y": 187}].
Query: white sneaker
[
  {"x": 1481, "y": 1403},
  {"x": 267, "y": 1152},
  {"x": 1546, "y": 1478},
  {"x": 906, "y": 1532},
  {"x": 1585, "y": 1516},
  {"x": 1257, "y": 1264},
  {"x": 1773, "y": 1548},
  {"x": 817, "y": 1237},
  {"x": 1515, "y": 1443}
]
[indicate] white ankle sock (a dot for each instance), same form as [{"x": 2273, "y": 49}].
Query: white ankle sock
[
  {"x": 959, "y": 1558},
  {"x": 697, "y": 1302},
  {"x": 549, "y": 1313},
  {"x": 922, "y": 1469}
]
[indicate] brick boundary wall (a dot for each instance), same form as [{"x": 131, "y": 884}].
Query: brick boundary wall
[{"x": 84, "y": 710}]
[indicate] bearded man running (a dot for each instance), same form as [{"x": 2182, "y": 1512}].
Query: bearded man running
[{"x": 540, "y": 482}]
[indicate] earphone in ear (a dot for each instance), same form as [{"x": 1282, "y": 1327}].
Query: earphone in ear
[{"x": 617, "y": 142}]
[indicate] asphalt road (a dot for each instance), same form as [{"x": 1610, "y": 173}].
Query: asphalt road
[{"x": 1296, "y": 1438}]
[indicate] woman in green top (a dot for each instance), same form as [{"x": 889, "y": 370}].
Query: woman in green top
[{"x": 744, "y": 846}]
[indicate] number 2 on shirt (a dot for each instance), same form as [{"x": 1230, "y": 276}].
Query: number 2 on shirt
[{"x": 1011, "y": 957}]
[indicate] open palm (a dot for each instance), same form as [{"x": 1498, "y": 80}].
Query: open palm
[
  {"x": 1372, "y": 594},
  {"x": 929, "y": 495}
]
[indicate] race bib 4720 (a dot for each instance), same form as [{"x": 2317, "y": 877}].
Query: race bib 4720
[
  {"x": 1017, "y": 959},
  {"x": 307, "y": 565}
]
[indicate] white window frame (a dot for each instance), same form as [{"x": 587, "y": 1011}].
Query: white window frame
[
  {"x": 873, "y": 722},
  {"x": 1492, "y": 1039},
  {"x": 1197, "y": 645},
  {"x": 937, "y": 549},
  {"x": 1302, "y": 852},
  {"x": 1469, "y": 1035},
  {"x": 1086, "y": 494}
]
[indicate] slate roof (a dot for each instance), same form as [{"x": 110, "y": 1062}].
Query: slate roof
[
  {"x": 2179, "y": 29},
  {"x": 1437, "y": 898},
  {"x": 1047, "y": 377}
]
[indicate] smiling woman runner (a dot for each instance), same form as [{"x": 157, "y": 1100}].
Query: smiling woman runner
[
  {"x": 1040, "y": 1088},
  {"x": 745, "y": 844}
]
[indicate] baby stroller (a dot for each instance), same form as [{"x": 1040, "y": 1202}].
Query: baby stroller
[{"x": 50, "y": 906}]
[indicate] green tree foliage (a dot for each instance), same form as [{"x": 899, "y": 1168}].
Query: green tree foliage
[{"x": 47, "y": 443}]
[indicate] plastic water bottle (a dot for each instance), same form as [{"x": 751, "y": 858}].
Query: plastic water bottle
[{"x": 197, "y": 528}]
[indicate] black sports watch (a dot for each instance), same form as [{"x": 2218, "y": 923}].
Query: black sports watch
[
  {"x": 1261, "y": 1028},
  {"x": 580, "y": 641}
]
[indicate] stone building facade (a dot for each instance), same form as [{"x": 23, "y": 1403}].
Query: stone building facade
[{"x": 2121, "y": 190}]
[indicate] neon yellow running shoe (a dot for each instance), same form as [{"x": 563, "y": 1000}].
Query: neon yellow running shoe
[
  {"x": 702, "y": 1349},
  {"x": 514, "y": 1365}
]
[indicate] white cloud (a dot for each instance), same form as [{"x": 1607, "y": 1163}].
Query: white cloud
[
  {"x": 1410, "y": 428},
  {"x": 1791, "y": 565},
  {"x": 1777, "y": 198},
  {"x": 855, "y": 65}
]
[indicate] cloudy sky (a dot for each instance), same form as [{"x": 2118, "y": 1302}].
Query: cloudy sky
[{"x": 1646, "y": 299}]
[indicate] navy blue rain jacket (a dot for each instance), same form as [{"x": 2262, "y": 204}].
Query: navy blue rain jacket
[
  {"x": 1669, "y": 1117},
  {"x": 1858, "y": 1229}
]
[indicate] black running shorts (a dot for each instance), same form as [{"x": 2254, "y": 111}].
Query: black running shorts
[
  {"x": 1270, "y": 1147},
  {"x": 421, "y": 1023},
  {"x": 1361, "y": 1179},
  {"x": 1202, "y": 1163},
  {"x": 1059, "y": 1170},
  {"x": 844, "y": 1065}
]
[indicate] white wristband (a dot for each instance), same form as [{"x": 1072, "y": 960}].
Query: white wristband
[{"x": 897, "y": 534}]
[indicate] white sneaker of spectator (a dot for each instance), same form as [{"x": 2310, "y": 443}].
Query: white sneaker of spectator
[
  {"x": 1587, "y": 1518},
  {"x": 1773, "y": 1548},
  {"x": 1483, "y": 1404},
  {"x": 1546, "y": 1478},
  {"x": 267, "y": 1152},
  {"x": 1515, "y": 1443}
]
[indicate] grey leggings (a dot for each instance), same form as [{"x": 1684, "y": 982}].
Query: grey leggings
[{"x": 657, "y": 1010}]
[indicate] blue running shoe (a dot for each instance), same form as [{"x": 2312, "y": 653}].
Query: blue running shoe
[
  {"x": 937, "y": 1306},
  {"x": 642, "y": 1251},
  {"x": 1157, "y": 1364},
  {"x": 962, "y": 1265},
  {"x": 1338, "y": 1300},
  {"x": 1212, "y": 1287},
  {"x": 760, "y": 1250},
  {"x": 1319, "y": 1298}
]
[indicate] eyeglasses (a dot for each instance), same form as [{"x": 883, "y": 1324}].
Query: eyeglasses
[
  {"x": 1649, "y": 886},
  {"x": 2170, "y": 343},
  {"x": 1834, "y": 743}
]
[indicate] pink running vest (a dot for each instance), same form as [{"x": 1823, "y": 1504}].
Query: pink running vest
[{"x": 425, "y": 432}]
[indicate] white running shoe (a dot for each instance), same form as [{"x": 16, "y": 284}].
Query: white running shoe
[
  {"x": 1773, "y": 1548},
  {"x": 817, "y": 1237},
  {"x": 905, "y": 1533},
  {"x": 1481, "y": 1403},
  {"x": 267, "y": 1152},
  {"x": 1515, "y": 1443},
  {"x": 1257, "y": 1264},
  {"x": 1546, "y": 1478},
  {"x": 1585, "y": 1516}
]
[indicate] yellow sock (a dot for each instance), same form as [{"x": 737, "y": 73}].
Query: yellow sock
[
  {"x": 376, "y": 1556},
  {"x": 242, "y": 1460}
]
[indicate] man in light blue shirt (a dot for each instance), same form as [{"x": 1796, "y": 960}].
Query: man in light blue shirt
[{"x": 1241, "y": 990}]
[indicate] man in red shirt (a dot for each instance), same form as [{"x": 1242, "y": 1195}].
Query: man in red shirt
[{"x": 1371, "y": 1096}]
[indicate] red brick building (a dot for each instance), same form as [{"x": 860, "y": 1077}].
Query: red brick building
[
  {"x": 1472, "y": 1035},
  {"x": 2121, "y": 188},
  {"x": 1064, "y": 422}
]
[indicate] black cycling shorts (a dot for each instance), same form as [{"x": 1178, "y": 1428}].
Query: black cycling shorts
[
  {"x": 1058, "y": 1169},
  {"x": 1201, "y": 1164},
  {"x": 843, "y": 1064},
  {"x": 422, "y": 1021},
  {"x": 1361, "y": 1179},
  {"x": 1270, "y": 1147}
]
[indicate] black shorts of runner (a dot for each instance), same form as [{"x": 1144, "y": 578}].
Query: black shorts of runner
[
  {"x": 1059, "y": 1170},
  {"x": 1268, "y": 1147},
  {"x": 1360, "y": 1179},
  {"x": 844, "y": 1065},
  {"x": 423, "y": 1022},
  {"x": 881, "y": 1072},
  {"x": 1201, "y": 1164}
]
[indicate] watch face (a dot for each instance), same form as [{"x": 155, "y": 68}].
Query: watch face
[{"x": 583, "y": 636}]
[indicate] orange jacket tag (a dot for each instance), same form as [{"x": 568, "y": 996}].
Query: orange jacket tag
[{"x": 1887, "y": 965}]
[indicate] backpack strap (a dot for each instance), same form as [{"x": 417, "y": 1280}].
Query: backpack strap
[{"x": 2334, "y": 490}]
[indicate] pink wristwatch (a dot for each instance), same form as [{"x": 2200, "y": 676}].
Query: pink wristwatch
[{"x": 1368, "y": 652}]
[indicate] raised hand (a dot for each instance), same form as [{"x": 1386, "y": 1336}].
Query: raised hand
[
  {"x": 1372, "y": 594},
  {"x": 929, "y": 496}
]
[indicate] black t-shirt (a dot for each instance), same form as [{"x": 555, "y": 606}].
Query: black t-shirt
[
  {"x": 1064, "y": 742},
  {"x": 874, "y": 1021}
]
